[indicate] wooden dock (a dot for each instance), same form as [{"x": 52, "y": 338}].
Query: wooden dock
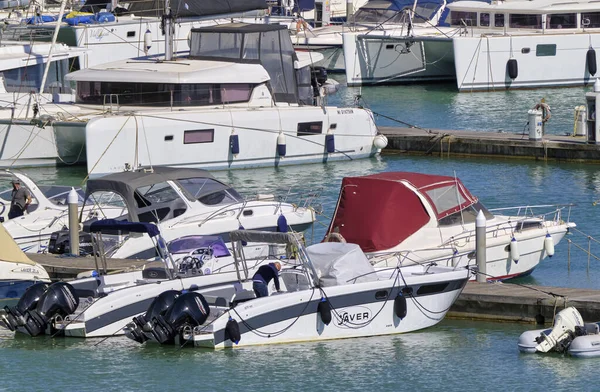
[
  {"x": 452, "y": 143},
  {"x": 517, "y": 303},
  {"x": 69, "y": 267}
]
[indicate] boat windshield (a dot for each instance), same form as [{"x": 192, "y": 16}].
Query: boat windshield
[
  {"x": 467, "y": 215},
  {"x": 210, "y": 192},
  {"x": 423, "y": 13}
]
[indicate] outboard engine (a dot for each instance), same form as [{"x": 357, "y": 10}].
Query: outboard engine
[
  {"x": 60, "y": 244},
  {"x": 59, "y": 300},
  {"x": 135, "y": 330},
  {"x": 189, "y": 310},
  {"x": 563, "y": 331},
  {"x": 13, "y": 317}
]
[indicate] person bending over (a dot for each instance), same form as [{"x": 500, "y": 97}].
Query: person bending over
[{"x": 263, "y": 276}]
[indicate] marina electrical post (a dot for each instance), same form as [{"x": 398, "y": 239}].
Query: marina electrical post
[
  {"x": 480, "y": 246},
  {"x": 72, "y": 200}
]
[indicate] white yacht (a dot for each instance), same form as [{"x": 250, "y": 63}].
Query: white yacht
[
  {"x": 438, "y": 215},
  {"x": 180, "y": 201},
  {"x": 380, "y": 18},
  {"x": 242, "y": 98},
  {"x": 489, "y": 46},
  {"x": 25, "y": 140}
]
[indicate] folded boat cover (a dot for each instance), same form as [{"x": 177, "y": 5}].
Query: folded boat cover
[
  {"x": 340, "y": 264},
  {"x": 10, "y": 251}
]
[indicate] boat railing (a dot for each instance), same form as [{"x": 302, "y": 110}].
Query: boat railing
[
  {"x": 417, "y": 257},
  {"x": 518, "y": 221},
  {"x": 307, "y": 200},
  {"x": 108, "y": 106}
]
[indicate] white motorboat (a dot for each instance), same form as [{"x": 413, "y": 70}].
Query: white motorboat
[
  {"x": 377, "y": 18},
  {"x": 497, "y": 46},
  {"x": 17, "y": 271},
  {"x": 181, "y": 201},
  {"x": 43, "y": 197},
  {"x": 227, "y": 105},
  {"x": 102, "y": 305},
  {"x": 569, "y": 335},
  {"x": 413, "y": 217},
  {"x": 333, "y": 292}
]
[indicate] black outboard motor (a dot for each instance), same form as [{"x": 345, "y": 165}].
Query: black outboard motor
[
  {"x": 59, "y": 300},
  {"x": 189, "y": 310},
  {"x": 319, "y": 74},
  {"x": 60, "y": 242},
  {"x": 13, "y": 317},
  {"x": 135, "y": 330}
]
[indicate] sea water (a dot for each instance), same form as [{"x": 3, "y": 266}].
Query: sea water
[{"x": 454, "y": 355}]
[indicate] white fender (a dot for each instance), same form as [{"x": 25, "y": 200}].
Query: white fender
[
  {"x": 549, "y": 245},
  {"x": 380, "y": 141},
  {"x": 147, "y": 41},
  {"x": 514, "y": 250}
]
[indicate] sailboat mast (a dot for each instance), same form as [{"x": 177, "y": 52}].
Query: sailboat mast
[{"x": 168, "y": 25}]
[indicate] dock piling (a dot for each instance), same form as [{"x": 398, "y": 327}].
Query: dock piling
[
  {"x": 73, "y": 222},
  {"x": 480, "y": 246}
]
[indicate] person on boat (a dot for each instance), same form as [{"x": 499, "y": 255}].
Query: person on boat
[
  {"x": 263, "y": 276},
  {"x": 21, "y": 199}
]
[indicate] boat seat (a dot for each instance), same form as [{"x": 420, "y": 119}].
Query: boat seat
[
  {"x": 294, "y": 280},
  {"x": 87, "y": 288}
]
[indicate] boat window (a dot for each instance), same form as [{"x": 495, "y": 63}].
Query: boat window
[
  {"x": 498, "y": 20},
  {"x": 377, "y": 16},
  {"x": 445, "y": 198},
  {"x": 146, "y": 196},
  {"x": 305, "y": 88},
  {"x": 467, "y": 215},
  {"x": 251, "y": 44},
  {"x": 162, "y": 94},
  {"x": 215, "y": 44},
  {"x": 590, "y": 19},
  {"x": 463, "y": 18},
  {"x": 210, "y": 192},
  {"x": 561, "y": 21},
  {"x": 310, "y": 128},
  {"x": 59, "y": 194},
  {"x": 29, "y": 78},
  {"x": 545, "y": 50},
  {"x": 484, "y": 19},
  {"x": 199, "y": 136},
  {"x": 525, "y": 21},
  {"x": 105, "y": 198}
]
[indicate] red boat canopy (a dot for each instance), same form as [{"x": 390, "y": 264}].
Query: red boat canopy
[{"x": 379, "y": 211}]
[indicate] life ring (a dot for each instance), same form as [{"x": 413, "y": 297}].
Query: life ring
[
  {"x": 545, "y": 108},
  {"x": 334, "y": 237}
]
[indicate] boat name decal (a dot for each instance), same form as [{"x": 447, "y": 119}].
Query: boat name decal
[
  {"x": 27, "y": 270},
  {"x": 357, "y": 315},
  {"x": 345, "y": 111}
]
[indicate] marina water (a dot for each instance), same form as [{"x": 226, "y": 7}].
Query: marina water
[{"x": 455, "y": 355}]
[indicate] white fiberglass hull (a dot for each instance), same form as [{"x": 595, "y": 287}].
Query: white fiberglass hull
[
  {"x": 159, "y": 138},
  {"x": 499, "y": 263},
  {"x": 378, "y": 59},
  {"x": 359, "y": 310},
  {"x": 543, "y": 60}
]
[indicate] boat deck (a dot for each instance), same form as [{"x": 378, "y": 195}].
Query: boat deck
[
  {"x": 517, "y": 303},
  {"x": 453, "y": 143},
  {"x": 68, "y": 267}
]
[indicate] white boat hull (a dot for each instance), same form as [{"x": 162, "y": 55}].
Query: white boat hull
[
  {"x": 544, "y": 60},
  {"x": 114, "y": 143},
  {"x": 293, "y": 317},
  {"x": 378, "y": 59}
]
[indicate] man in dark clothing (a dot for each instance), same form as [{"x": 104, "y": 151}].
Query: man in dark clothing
[
  {"x": 21, "y": 199},
  {"x": 263, "y": 276}
]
